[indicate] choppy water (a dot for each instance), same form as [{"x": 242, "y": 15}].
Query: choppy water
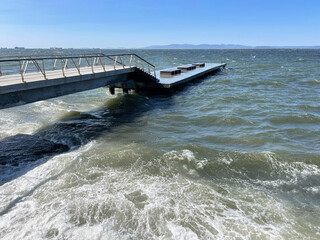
[{"x": 233, "y": 156}]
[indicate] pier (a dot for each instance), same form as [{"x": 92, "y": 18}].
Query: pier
[{"x": 27, "y": 79}]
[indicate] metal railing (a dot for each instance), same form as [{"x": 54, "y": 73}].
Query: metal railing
[{"x": 45, "y": 63}]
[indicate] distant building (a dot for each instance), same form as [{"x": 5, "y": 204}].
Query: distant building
[
  {"x": 55, "y": 48},
  {"x": 19, "y": 48}
]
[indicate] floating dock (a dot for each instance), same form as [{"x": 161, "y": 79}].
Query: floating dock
[
  {"x": 187, "y": 76},
  {"x": 43, "y": 77}
]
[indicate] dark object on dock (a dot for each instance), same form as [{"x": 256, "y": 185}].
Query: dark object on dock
[
  {"x": 199, "y": 65},
  {"x": 187, "y": 67},
  {"x": 169, "y": 72}
]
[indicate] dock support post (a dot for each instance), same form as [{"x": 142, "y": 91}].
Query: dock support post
[
  {"x": 111, "y": 90},
  {"x": 125, "y": 90},
  {"x": 137, "y": 89}
]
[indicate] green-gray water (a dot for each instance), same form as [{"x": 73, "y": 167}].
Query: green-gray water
[{"x": 235, "y": 155}]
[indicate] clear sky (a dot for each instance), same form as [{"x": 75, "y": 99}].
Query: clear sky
[{"x": 121, "y": 23}]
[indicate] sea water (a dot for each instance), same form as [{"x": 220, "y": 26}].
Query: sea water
[{"x": 235, "y": 155}]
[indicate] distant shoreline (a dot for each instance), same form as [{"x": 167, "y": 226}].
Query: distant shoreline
[{"x": 177, "y": 47}]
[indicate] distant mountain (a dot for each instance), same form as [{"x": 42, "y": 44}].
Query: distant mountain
[
  {"x": 223, "y": 46},
  {"x": 200, "y": 46}
]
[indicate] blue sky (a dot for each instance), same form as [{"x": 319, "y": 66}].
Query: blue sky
[{"x": 121, "y": 23}]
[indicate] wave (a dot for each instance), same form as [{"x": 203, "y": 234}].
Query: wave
[
  {"x": 312, "y": 81},
  {"x": 264, "y": 168},
  {"x": 175, "y": 195},
  {"x": 294, "y": 119}
]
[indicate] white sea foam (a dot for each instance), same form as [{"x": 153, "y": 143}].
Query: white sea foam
[
  {"x": 96, "y": 201},
  {"x": 226, "y": 160},
  {"x": 292, "y": 170}
]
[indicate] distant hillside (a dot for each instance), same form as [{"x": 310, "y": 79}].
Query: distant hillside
[{"x": 223, "y": 46}]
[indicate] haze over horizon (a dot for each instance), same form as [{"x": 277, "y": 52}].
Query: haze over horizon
[
  {"x": 186, "y": 46},
  {"x": 113, "y": 24}
]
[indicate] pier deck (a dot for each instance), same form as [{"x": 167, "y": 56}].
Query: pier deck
[
  {"x": 169, "y": 82},
  {"x": 14, "y": 79},
  {"x": 41, "y": 83}
]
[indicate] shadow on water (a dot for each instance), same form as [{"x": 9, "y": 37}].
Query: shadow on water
[
  {"x": 69, "y": 133},
  {"x": 21, "y": 153}
]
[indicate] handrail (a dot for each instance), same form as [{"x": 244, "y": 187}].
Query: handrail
[
  {"x": 39, "y": 62},
  {"x": 48, "y": 57},
  {"x": 143, "y": 59}
]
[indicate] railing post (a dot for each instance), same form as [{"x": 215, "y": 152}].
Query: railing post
[
  {"x": 26, "y": 66},
  {"x": 55, "y": 63},
  {"x": 114, "y": 62},
  {"x": 102, "y": 63},
  {"x": 74, "y": 63},
  {"x": 65, "y": 63},
  {"x": 126, "y": 60},
  {"x": 21, "y": 71},
  {"x": 23, "y": 63},
  {"x": 130, "y": 61},
  {"x": 88, "y": 62},
  {"x": 62, "y": 68},
  {"x": 92, "y": 63},
  {"x": 121, "y": 61},
  {"x": 36, "y": 64},
  {"x": 44, "y": 70}
]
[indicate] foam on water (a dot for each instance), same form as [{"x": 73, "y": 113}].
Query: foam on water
[{"x": 93, "y": 199}]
